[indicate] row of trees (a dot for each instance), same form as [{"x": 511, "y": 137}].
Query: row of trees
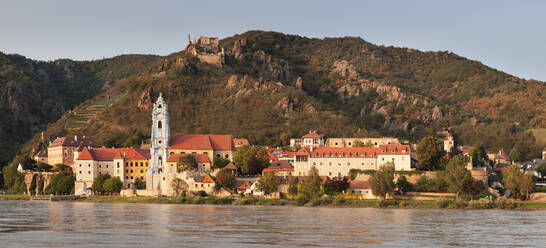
[{"x": 104, "y": 183}]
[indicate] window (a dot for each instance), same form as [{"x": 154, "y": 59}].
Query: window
[
  {"x": 141, "y": 171},
  {"x": 131, "y": 177},
  {"x": 349, "y": 163},
  {"x": 363, "y": 163},
  {"x": 349, "y": 143},
  {"x": 330, "y": 163},
  {"x": 336, "y": 144},
  {"x": 118, "y": 164},
  {"x": 88, "y": 172},
  {"x": 330, "y": 173},
  {"x": 80, "y": 165},
  {"x": 320, "y": 163},
  {"x": 106, "y": 166},
  {"x": 339, "y": 174},
  {"x": 126, "y": 177},
  {"x": 205, "y": 153},
  {"x": 141, "y": 164},
  {"x": 382, "y": 159},
  {"x": 131, "y": 164},
  {"x": 141, "y": 177},
  {"x": 339, "y": 163},
  {"x": 218, "y": 155},
  {"x": 80, "y": 172},
  {"x": 314, "y": 163},
  {"x": 126, "y": 164},
  {"x": 88, "y": 165},
  {"x": 227, "y": 155},
  {"x": 146, "y": 164},
  {"x": 393, "y": 159},
  {"x": 126, "y": 171},
  {"x": 99, "y": 165},
  {"x": 159, "y": 124},
  {"x": 131, "y": 171}
]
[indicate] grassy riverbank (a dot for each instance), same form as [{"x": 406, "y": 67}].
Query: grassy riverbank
[{"x": 324, "y": 202}]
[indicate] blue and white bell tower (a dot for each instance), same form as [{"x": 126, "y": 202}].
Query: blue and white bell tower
[{"x": 159, "y": 149}]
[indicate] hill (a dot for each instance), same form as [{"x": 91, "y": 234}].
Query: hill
[
  {"x": 35, "y": 93},
  {"x": 268, "y": 86}
]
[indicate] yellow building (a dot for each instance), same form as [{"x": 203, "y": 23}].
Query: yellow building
[
  {"x": 214, "y": 146},
  {"x": 61, "y": 150},
  {"x": 202, "y": 160}
]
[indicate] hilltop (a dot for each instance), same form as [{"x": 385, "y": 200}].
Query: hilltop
[{"x": 268, "y": 86}]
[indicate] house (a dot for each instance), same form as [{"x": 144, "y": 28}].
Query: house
[
  {"x": 231, "y": 167},
  {"x": 338, "y": 161},
  {"x": 202, "y": 160},
  {"x": 361, "y": 188},
  {"x": 500, "y": 158},
  {"x": 280, "y": 154},
  {"x": 198, "y": 181},
  {"x": 41, "y": 157},
  {"x": 244, "y": 185},
  {"x": 281, "y": 168},
  {"x": 240, "y": 142},
  {"x": 311, "y": 139},
  {"x": 449, "y": 143},
  {"x": 61, "y": 150},
  {"x": 369, "y": 142},
  {"x": 129, "y": 164},
  {"x": 465, "y": 150},
  {"x": 213, "y": 145}
]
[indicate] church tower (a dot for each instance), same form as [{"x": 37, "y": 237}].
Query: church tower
[{"x": 159, "y": 139}]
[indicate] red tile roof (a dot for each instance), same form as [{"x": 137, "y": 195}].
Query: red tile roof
[
  {"x": 280, "y": 166},
  {"x": 313, "y": 135},
  {"x": 74, "y": 141},
  {"x": 240, "y": 142},
  {"x": 42, "y": 154},
  {"x": 348, "y": 152},
  {"x": 394, "y": 149},
  {"x": 202, "y": 142},
  {"x": 303, "y": 151},
  {"x": 359, "y": 185},
  {"x": 230, "y": 166},
  {"x": 449, "y": 137},
  {"x": 109, "y": 154},
  {"x": 199, "y": 158}
]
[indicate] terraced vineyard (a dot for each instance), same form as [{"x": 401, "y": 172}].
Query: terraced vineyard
[{"x": 82, "y": 117}]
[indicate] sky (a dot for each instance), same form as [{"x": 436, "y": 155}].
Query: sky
[{"x": 507, "y": 35}]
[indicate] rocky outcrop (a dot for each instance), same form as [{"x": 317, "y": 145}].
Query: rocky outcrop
[
  {"x": 345, "y": 69},
  {"x": 237, "y": 50},
  {"x": 207, "y": 49},
  {"x": 299, "y": 83},
  {"x": 145, "y": 100}
]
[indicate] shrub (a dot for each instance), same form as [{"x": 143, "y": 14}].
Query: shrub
[
  {"x": 302, "y": 199},
  {"x": 504, "y": 203},
  {"x": 201, "y": 193},
  {"x": 443, "y": 202},
  {"x": 339, "y": 200},
  {"x": 482, "y": 203}
]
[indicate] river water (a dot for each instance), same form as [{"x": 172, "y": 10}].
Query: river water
[{"x": 83, "y": 224}]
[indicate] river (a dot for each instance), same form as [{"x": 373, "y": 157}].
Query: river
[{"x": 83, "y": 224}]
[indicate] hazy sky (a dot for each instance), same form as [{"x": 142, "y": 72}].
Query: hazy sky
[{"x": 506, "y": 35}]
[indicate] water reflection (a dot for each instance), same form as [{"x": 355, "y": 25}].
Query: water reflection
[{"x": 59, "y": 224}]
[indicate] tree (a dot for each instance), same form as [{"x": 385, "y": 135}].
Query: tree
[
  {"x": 60, "y": 167},
  {"x": 457, "y": 176},
  {"x": 336, "y": 184},
  {"x": 517, "y": 182},
  {"x": 311, "y": 183},
  {"x": 478, "y": 155},
  {"x": 293, "y": 185},
  {"x": 28, "y": 163},
  {"x": 251, "y": 160},
  {"x": 403, "y": 185},
  {"x": 62, "y": 183},
  {"x": 98, "y": 182},
  {"x": 187, "y": 162},
  {"x": 178, "y": 185},
  {"x": 220, "y": 162},
  {"x": 382, "y": 181},
  {"x": 140, "y": 184},
  {"x": 268, "y": 183},
  {"x": 43, "y": 167},
  {"x": 541, "y": 169},
  {"x": 429, "y": 153},
  {"x": 224, "y": 179},
  {"x": 112, "y": 184},
  {"x": 515, "y": 154}
]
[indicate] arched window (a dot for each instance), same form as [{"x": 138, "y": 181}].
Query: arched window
[
  {"x": 160, "y": 160},
  {"x": 159, "y": 106},
  {"x": 159, "y": 123}
]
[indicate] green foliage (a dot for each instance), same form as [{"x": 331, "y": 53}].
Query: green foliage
[
  {"x": 186, "y": 162},
  {"x": 336, "y": 185},
  {"x": 220, "y": 162},
  {"x": 311, "y": 183},
  {"x": 478, "y": 155},
  {"x": 293, "y": 185},
  {"x": 517, "y": 182},
  {"x": 353, "y": 173},
  {"x": 98, "y": 182},
  {"x": 403, "y": 186},
  {"x": 140, "y": 184},
  {"x": 358, "y": 143},
  {"x": 62, "y": 167},
  {"x": 382, "y": 182},
  {"x": 541, "y": 169},
  {"x": 179, "y": 186},
  {"x": 112, "y": 184},
  {"x": 225, "y": 179},
  {"x": 32, "y": 187},
  {"x": 250, "y": 160},
  {"x": 268, "y": 183},
  {"x": 437, "y": 184},
  {"x": 457, "y": 175},
  {"x": 62, "y": 183},
  {"x": 429, "y": 153},
  {"x": 13, "y": 181}
]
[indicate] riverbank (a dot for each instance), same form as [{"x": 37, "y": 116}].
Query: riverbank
[{"x": 321, "y": 202}]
